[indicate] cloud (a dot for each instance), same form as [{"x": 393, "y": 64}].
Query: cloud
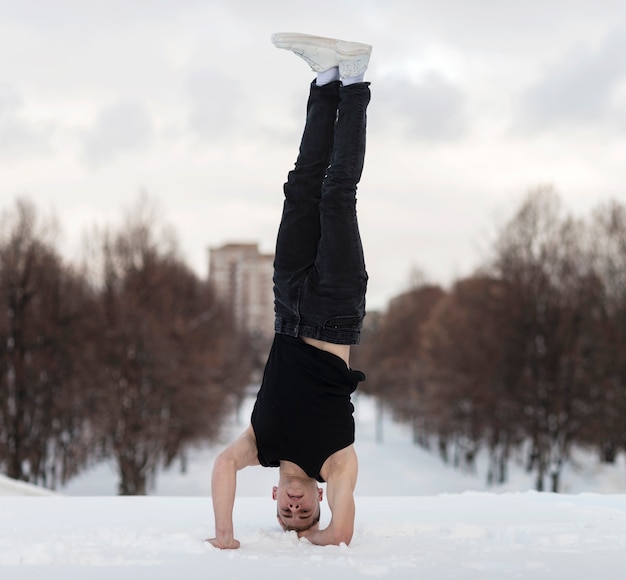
[
  {"x": 430, "y": 109},
  {"x": 18, "y": 136},
  {"x": 119, "y": 129},
  {"x": 10, "y": 101},
  {"x": 579, "y": 90},
  {"x": 215, "y": 100}
]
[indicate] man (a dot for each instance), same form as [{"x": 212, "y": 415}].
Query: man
[{"x": 302, "y": 420}]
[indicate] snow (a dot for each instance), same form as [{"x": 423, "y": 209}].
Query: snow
[
  {"x": 416, "y": 518},
  {"x": 12, "y": 487}
]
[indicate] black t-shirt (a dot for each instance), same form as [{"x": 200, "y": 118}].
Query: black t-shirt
[{"x": 303, "y": 411}]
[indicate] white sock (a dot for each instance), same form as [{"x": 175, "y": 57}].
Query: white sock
[
  {"x": 327, "y": 76},
  {"x": 345, "y": 81}
]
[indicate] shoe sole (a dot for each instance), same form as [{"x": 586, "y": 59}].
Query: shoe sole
[{"x": 341, "y": 47}]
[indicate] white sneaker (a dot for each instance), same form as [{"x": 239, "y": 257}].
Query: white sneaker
[{"x": 322, "y": 53}]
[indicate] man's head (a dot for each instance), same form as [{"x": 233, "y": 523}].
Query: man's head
[{"x": 298, "y": 503}]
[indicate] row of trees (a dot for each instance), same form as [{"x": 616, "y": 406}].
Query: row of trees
[
  {"x": 527, "y": 357},
  {"x": 128, "y": 356}
]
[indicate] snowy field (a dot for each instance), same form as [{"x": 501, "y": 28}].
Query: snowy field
[{"x": 416, "y": 518}]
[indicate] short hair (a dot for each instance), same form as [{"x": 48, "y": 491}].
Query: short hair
[{"x": 314, "y": 521}]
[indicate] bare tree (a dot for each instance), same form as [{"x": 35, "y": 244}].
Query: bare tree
[
  {"x": 44, "y": 303},
  {"x": 540, "y": 255},
  {"x": 528, "y": 353},
  {"x": 170, "y": 358},
  {"x": 469, "y": 344},
  {"x": 607, "y": 390},
  {"x": 392, "y": 355}
]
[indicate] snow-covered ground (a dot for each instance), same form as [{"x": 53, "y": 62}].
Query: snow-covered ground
[{"x": 416, "y": 518}]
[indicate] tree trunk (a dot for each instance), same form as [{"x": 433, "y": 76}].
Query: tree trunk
[
  {"x": 379, "y": 420},
  {"x": 133, "y": 479}
]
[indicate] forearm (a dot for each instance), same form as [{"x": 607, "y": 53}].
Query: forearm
[
  {"x": 339, "y": 530},
  {"x": 236, "y": 456},
  {"x": 341, "y": 481},
  {"x": 223, "y": 488},
  {"x": 328, "y": 536}
]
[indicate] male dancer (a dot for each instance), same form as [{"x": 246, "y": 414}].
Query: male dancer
[{"x": 302, "y": 420}]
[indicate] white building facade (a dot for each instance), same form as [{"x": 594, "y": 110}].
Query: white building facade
[{"x": 242, "y": 277}]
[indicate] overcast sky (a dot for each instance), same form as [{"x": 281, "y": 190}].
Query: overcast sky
[{"x": 473, "y": 104}]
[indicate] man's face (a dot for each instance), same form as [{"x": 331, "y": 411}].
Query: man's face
[{"x": 298, "y": 504}]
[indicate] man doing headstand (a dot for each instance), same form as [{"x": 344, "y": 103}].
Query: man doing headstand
[{"x": 302, "y": 421}]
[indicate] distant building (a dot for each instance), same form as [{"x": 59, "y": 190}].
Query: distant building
[{"x": 242, "y": 277}]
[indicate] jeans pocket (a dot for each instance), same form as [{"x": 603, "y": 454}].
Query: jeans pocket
[{"x": 343, "y": 322}]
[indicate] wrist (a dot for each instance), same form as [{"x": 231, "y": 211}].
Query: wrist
[{"x": 224, "y": 533}]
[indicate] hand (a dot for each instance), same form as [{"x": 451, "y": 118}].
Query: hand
[
  {"x": 312, "y": 532},
  {"x": 225, "y": 543}
]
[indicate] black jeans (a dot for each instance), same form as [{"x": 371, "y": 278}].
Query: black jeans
[{"x": 319, "y": 270}]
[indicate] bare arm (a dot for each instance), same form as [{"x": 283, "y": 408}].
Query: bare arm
[
  {"x": 341, "y": 481},
  {"x": 239, "y": 454}
]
